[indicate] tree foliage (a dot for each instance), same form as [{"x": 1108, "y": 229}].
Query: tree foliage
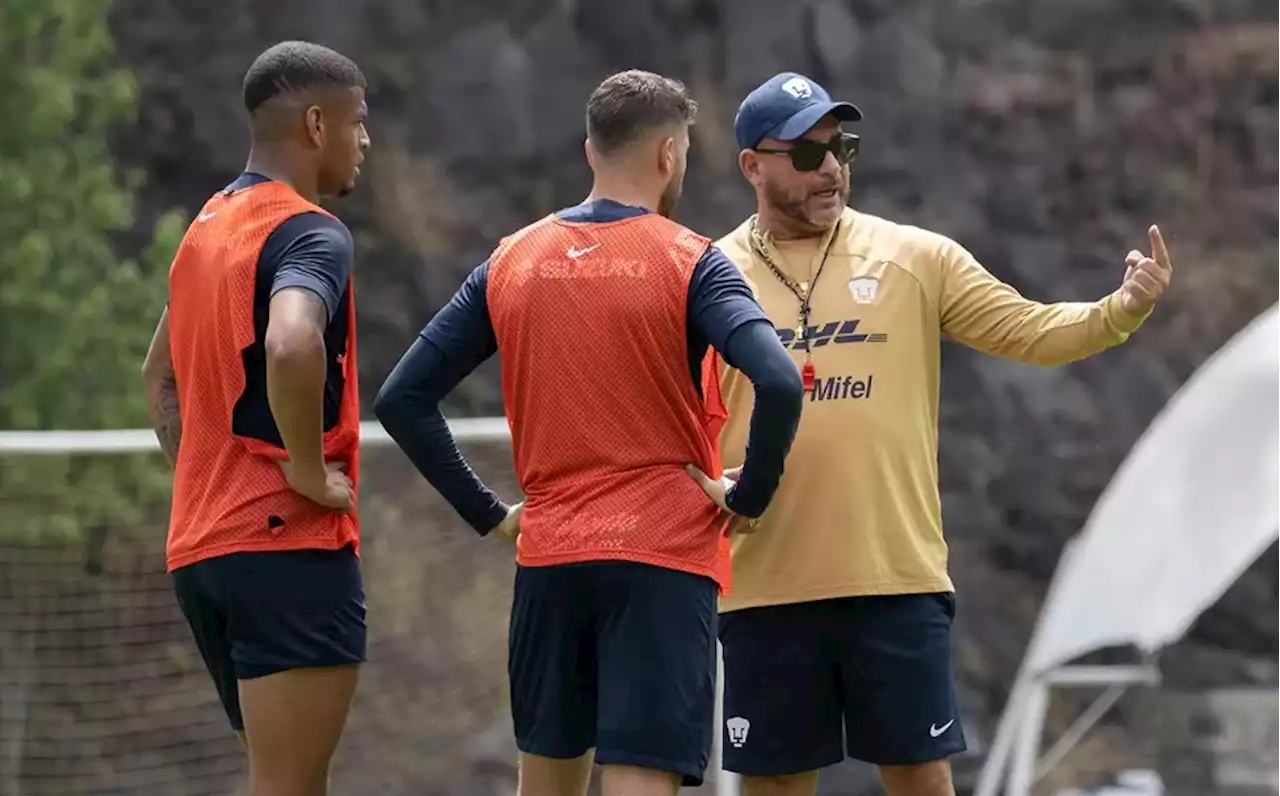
[{"x": 75, "y": 318}]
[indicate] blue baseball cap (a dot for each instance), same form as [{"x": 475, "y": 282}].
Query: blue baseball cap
[{"x": 785, "y": 107}]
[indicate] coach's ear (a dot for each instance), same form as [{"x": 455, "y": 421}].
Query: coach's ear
[{"x": 749, "y": 164}]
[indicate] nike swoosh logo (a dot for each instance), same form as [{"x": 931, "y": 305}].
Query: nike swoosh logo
[
  {"x": 203, "y": 217},
  {"x": 576, "y": 253},
  {"x": 935, "y": 731}
]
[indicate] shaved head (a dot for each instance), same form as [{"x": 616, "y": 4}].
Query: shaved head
[{"x": 291, "y": 69}]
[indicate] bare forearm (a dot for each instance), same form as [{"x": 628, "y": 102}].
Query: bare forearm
[
  {"x": 295, "y": 391},
  {"x": 166, "y": 418},
  {"x": 162, "y": 391}
]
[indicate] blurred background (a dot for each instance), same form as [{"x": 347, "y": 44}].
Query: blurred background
[{"x": 1044, "y": 135}]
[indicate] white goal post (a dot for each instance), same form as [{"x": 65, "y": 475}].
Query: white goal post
[{"x": 141, "y": 440}]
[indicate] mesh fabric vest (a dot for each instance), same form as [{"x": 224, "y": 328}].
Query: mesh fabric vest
[
  {"x": 591, "y": 325},
  {"x": 229, "y": 493}
]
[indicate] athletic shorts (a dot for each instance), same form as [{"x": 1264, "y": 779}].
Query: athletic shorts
[
  {"x": 618, "y": 656},
  {"x": 872, "y": 676},
  {"x": 255, "y": 614}
]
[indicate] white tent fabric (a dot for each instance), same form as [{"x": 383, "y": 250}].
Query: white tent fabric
[{"x": 1194, "y": 504}]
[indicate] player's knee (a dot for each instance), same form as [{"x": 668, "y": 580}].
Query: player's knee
[
  {"x": 924, "y": 779},
  {"x": 635, "y": 781},
  {"x": 551, "y": 776},
  {"x": 803, "y": 784}
]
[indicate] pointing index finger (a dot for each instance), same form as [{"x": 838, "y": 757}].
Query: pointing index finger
[{"x": 1159, "y": 252}]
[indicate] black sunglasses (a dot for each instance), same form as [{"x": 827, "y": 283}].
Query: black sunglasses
[{"x": 808, "y": 155}]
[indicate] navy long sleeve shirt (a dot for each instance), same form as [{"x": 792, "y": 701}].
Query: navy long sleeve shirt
[{"x": 723, "y": 314}]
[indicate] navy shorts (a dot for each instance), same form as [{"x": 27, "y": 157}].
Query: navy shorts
[
  {"x": 255, "y": 614},
  {"x": 618, "y": 656},
  {"x": 872, "y": 676}
]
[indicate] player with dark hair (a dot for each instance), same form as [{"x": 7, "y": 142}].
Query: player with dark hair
[
  {"x": 251, "y": 385},
  {"x": 602, "y": 314}
]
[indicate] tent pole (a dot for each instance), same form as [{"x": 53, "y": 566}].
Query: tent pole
[
  {"x": 1079, "y": 728},
  {"x": 1027, "y": 749},
  {"x": 993, "y": 767},
  {"x": 1014, "y": 717}
]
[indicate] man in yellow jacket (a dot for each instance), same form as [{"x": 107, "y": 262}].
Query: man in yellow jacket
[{"x": 837, "y": 633}]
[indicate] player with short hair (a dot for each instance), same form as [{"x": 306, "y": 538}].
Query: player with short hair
[
  {"x": 252, "y": 388},
  {"x": 837, "y": 636},
  {"x": 602, "y": 314}
]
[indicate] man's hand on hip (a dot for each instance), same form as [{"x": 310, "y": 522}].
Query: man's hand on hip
[
  {"x": 509, "y": 528},
  {"x": 718, "y": 490},
  {"x": 329, "y": 485}
]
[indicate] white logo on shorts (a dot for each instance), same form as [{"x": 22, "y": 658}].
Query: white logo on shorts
[{"x": 738, "y": 728}]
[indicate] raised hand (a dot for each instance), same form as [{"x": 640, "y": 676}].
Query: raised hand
[{"x": 1146, "y": 278}]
